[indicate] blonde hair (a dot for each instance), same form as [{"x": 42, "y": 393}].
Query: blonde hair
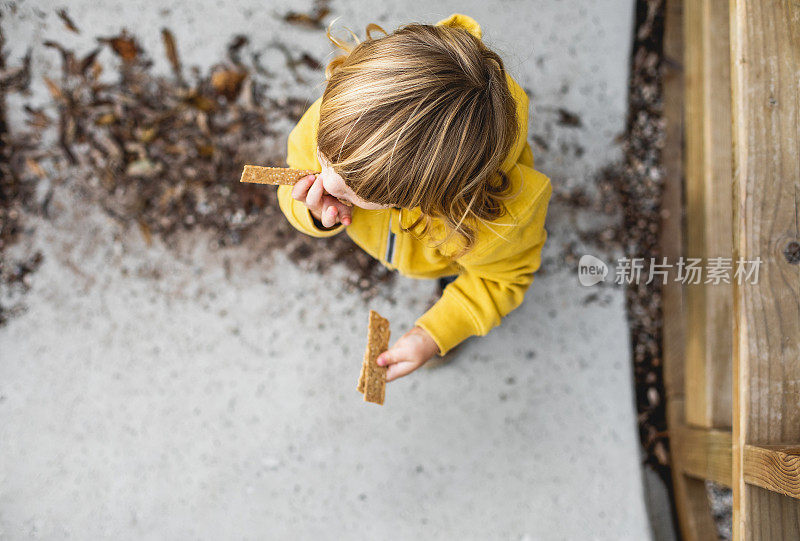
[{"x": 422, "y": 117}]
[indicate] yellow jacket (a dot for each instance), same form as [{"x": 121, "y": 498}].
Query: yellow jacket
[{"x": 492, "y": 277}]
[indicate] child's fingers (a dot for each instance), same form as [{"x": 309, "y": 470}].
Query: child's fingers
[
  {"x": 344, "y": 212},
  {"x": 300, "y": 189},
  {"x": 314, "y": 197},
  {"x": 397, "y": 362},
  {"x": 329, "y": 216},
  {"x": 387, "y": 357},
  {"x": 400, "y": 369}
]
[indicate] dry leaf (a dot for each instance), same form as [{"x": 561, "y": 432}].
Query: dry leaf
[
  {"x": 68, "y": 64},
  {"x": 309, "y": 61},
  {"x": 105, "y": 119},
  {"x": 312, "y": 20},
  {"x": 234, "y": 47},
  {"x": 172, "y": 52},
  {"x": 143, "y": 167},
  {"x": 123, "y": 45},
  {"x": 145, "y": 229},
  {"x": 147, "y": 134},
  {"x": 62, "y": 13},
  {"x": 97, "y": 69},
  {"x": 36, "y": 117},
  {"x": 54, "y": 89},
  {"x": 35, "y": 168},
  {"x": 18, "y": 78},
  {"x": 205, "y": 151},
  {"x": 200, "y": 101},
  {"x": 228, "y": 82},
  {"x": 88, "y": 60}
]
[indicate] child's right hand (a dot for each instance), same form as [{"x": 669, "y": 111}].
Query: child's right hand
[{"x": 323, "y": 206}]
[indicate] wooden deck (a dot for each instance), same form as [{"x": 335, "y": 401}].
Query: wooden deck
[{"x": 732, "y": 351}]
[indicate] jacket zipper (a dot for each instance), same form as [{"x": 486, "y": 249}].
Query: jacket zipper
[{"x": 390, "y": 242}]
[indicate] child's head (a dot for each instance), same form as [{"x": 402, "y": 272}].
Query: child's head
[{"x": 422, "y": 117}]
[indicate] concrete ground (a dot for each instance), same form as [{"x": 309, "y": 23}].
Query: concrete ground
[{"x": 203, "y": 393}]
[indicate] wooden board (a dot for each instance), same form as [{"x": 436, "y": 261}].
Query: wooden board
[
  {"x": 708, "y": 210},
  {"x": 672, "y": 221},
  {"x": 691, "y": 499},
  {"x": 774, "y": 467},
  {"x": 703, "y": 453},
  {"x": 691, "y": 502},
  {"x": 765, "y": 66}
]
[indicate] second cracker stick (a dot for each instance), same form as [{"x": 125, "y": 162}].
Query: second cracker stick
[{"x": 372, "y": 381}]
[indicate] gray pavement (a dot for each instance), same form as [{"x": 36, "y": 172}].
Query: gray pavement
[{"x": 148, "y": 394}]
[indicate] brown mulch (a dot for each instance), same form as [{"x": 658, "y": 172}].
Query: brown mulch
[
  {"x": 163, "y": 152},
  {"x": 15, "y": 193},
  {"x": 639, "y": 185}
]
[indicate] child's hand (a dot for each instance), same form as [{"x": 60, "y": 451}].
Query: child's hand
[
  {"x": 411, "y": 351},
  {"x": 325, "y": 208}
]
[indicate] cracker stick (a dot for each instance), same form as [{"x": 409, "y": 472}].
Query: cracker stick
[
  {"x": 362, "y": 376},
  {"x": 273, "y": 175},
  {"x": 374, "y": 381}
]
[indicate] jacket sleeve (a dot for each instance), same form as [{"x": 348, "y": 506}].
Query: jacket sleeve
[
  {"x": 301, "y": 154},
  {"x": 492, "y": 282}
]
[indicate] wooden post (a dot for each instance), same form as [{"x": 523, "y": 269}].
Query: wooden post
[{"x": 765, "y": 68}]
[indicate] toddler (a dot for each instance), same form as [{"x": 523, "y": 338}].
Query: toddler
[{"x": 421, "y": 140}]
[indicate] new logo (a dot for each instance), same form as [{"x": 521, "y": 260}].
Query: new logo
[{"x": 591, "y": 270}]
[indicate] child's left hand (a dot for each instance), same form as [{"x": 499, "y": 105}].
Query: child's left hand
[{"x": 411, "y": 351}]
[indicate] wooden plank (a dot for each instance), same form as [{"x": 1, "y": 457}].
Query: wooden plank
[
  {"x": 703, "y": 453},
  {"x": 671, "y": 239},
  {"x": 694, "y": 510},
  {"x": 691, "y": 500},
  {"x": 709, "y": 210},
  {"x": 765, "y": 63},
  {"x": 774, "y": 467},
  {"x": 772, "y": 516}
]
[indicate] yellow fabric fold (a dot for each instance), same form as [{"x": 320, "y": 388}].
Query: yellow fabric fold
[{"x": 492, "y": 283}]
